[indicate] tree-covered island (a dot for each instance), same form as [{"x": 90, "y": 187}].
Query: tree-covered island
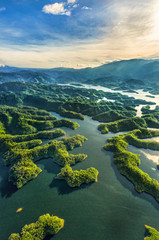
[
  {"x": 76, "y": 178},
  {"x": 46, "y": 225},
  {"x": 127, "y": 162}
]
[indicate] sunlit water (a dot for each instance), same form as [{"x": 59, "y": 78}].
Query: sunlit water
[
  {"x": 152, "y": 155},
  {"x": 109, "y": 209},
  {"x": 149, "y": 160}
]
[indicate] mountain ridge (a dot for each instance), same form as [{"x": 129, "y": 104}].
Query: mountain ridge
[{"x": 110, "y": 74}]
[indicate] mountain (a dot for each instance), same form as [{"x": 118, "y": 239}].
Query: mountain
[
  {"x": 25, "y": 76},
  {"x": 135, "y": 68},
  {"x": 135, "y": 73},
  {"x": 6, "y": 69}
]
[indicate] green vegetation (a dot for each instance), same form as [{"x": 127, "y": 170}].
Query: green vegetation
[
  {"x": 39, "y": 135},
  {"x": 27, "y": 120},
  {"x": 70, "y": 102},
  {"x": 113, "y": 115},
  {"x": 148, "y": 112},
  {"x": 46, "y": 225},
  {"x": 151, "y": 233},
  {"x": 70, "y": 114},
  {"x": 128, "y": 124},
  {"x": 66, "y": 123},
  {"x": 23, "y": 172},
  {"x": 21, "y": 151},
  {"x": 23, "y": 169},
  {"x": 127, "y": 162},
  {"x": 76, "y": 178},
  {"x": 75, "y": 141}
]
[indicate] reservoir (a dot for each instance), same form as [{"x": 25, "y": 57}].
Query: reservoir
[{"x": 109, "y": 209}]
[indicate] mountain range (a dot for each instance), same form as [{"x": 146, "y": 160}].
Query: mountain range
[{"x": 135, "y": 73}]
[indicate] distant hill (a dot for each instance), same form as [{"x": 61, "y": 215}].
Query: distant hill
[
  {"x": 24, "y": 76},
  {"x": 135, "y": 73}
]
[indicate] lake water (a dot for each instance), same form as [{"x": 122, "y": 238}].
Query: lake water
[{"x": 109, "y": 209}]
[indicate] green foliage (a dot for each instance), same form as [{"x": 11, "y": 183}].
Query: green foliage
[
  {"x": 70, "y": 114},
  {"x": 127, "y": 162},
  {"x": 22, "y": 172},
  {"x": 29, "y": 120},
  {"x": 39, "y": 135},
  {"x": 2, "y": 128},
  {"x": 73, "y": 142},
  {"x": 76, "y": 178},
  {"x": 72, "y": 102},
  {"x": 123, "y": 125},
  {"x": 66, "y": 123},
  {"x": 41, "y": 125},
  {"x": 151, "y": 233},
  {"x": 22, "y": 155},
  {"x": 46, "y": 225},
  {"x": 114, "y": 115},
  {"x": 62, "y": 157},
  {"x": 21, "y": 151},
  {"x": 27, "y": 145}
]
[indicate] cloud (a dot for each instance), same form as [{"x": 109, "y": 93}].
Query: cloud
[
  {"x": 56, "y": 9},
  {"x": 75, "y": 5},
  {"x": 86, "y": 8},
  {"x": 112, "y": 30},
  {"x": 2, "y": 9},
  {"x": 71, "y": 1}
]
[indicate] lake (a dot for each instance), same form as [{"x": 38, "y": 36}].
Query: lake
[{"x": 108, "y": 209}]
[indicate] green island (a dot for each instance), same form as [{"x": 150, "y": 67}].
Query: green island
[
  {"x": 76, "y": 178},
  {"x": 44, "y": 226},
  {"x": 129, "y": 124},
  {"x": 151, "y": 233},
  {"x": 149, "y": 112},
  {"x": 21, "y": 151},
  {"x": 127, "y": 162}
]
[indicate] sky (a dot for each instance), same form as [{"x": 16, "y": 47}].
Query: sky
[{"x": 77, "y": 33}]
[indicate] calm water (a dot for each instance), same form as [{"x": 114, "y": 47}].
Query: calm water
[{"x": 109, "y": 209}]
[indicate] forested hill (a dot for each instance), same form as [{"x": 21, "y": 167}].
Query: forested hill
[{"x": 134, "y": 74}]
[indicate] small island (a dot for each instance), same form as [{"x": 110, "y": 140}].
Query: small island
[
  {"x": 46, "y": 225},
  {"x": 129, "y": 124},
  {"x": 76, "y": 178}
]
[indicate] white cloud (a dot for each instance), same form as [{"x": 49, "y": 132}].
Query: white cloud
[
  {"x": 71, "y": 1},
  {"x": 86, "y": 8},
  {"x": 56, "y": 9},
  {"x": 2, "y": 9},
  {"x": 76, "y": 5}
]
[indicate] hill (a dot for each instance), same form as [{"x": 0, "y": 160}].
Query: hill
[{"x": 126, "y": 74}]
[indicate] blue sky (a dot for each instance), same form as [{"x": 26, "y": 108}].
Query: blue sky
[{"x": 77, "y": 33}]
